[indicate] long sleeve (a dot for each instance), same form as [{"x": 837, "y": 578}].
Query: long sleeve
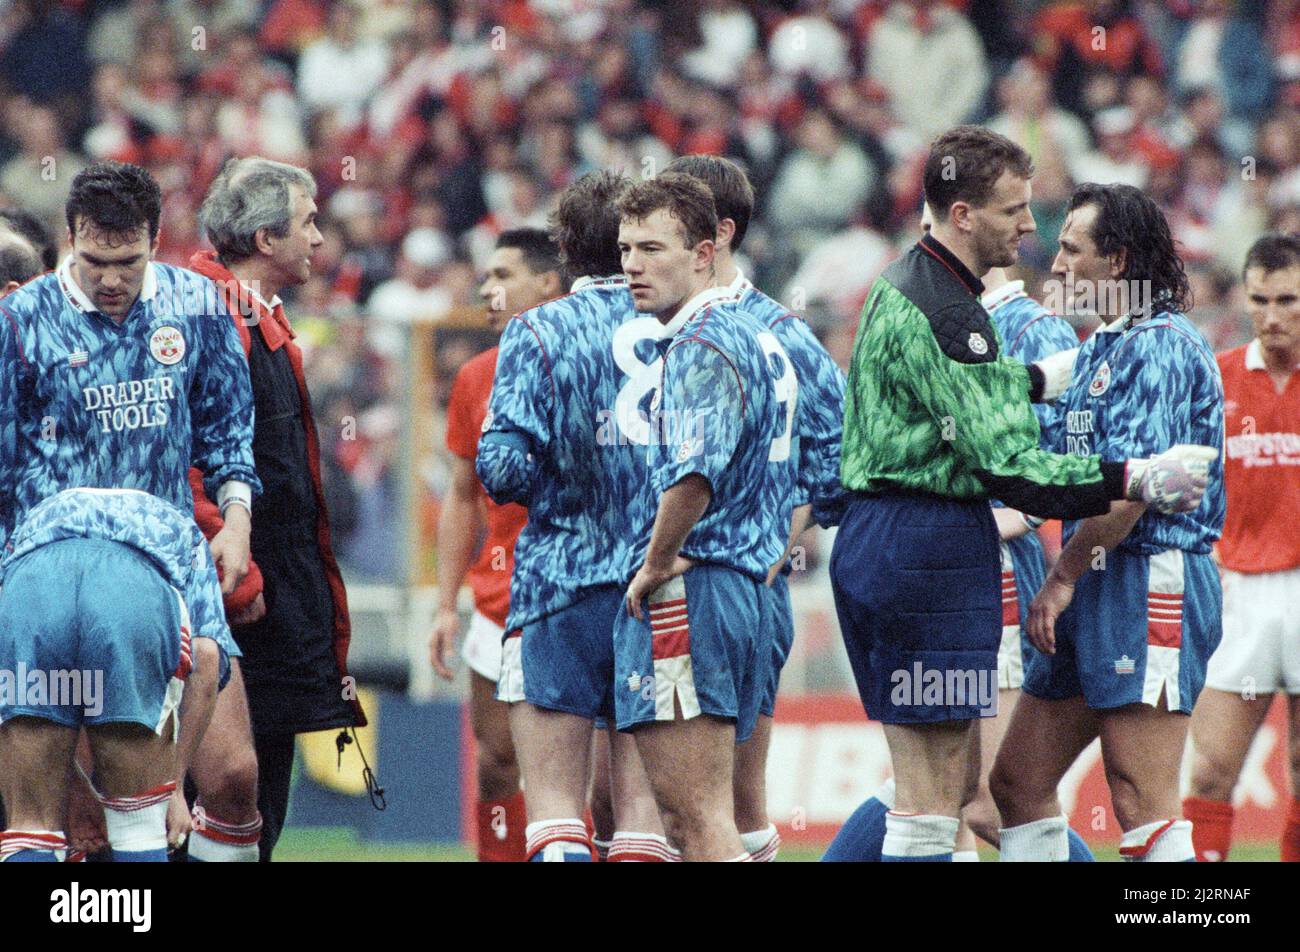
[
  {"x": 221, "y": 407},
  {"x": 517, "y": 429}
]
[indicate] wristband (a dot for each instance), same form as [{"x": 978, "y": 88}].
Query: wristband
[{"x": 234, "y": 493}]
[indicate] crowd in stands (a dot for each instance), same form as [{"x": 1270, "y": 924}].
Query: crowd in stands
[{"x": 432, "y": 126}]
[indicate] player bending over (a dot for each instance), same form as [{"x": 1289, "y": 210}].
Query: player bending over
[
  {"x": 1130, "y": 613},
  {"x": 1259, "y": 553},
  {"x": 105, "y": 588}
]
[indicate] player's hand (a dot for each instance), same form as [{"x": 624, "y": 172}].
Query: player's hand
[
  {"x": 179, "y": 822},
  {"x": 1172, "y": 481},
  {"x": 648, "y": 579},
  {"x": 252, "y": 612},
  {"x": 1040, "y": 624},
  {"x": 230, "y": 548},
  {"x": 442, "y": 643},
  {"x": 86, "y": 829}
]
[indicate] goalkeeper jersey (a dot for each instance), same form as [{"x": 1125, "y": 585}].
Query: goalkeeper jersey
[
  {"x": 85, "y": 401},
  {"x": 164, "y": 534},
  {"x": 933, "y": 407}
]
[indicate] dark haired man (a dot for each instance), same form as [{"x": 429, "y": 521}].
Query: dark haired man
[
  {"x": 936, "y": 421},
  {"x": 1260, "y": 554},
  {"x": 522, "y": 272},
  {"x": 1130, "y": 613},
  {"x": 817, "y": 424},
  {"x": 694, "y": 650},
  {"x": 118, "y": 373},
  {"x": 563, "y": 437}
]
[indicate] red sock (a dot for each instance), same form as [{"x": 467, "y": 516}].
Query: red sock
[
  {"x": 501, "y": 825},
  {"x": 1211, "y": 828},
  {"x": 1291, "y": 834}
]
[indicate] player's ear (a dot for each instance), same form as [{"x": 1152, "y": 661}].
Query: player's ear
[
  {"x": 704, "y": 254},
  {"x": 262, "y": 240},
  {"x": 726, "y": 231},
  {"x": 960, "y": 216},
  {"x": 1118, "y": 262},
  {"x": 153, "y": 247},
  {"x": 552, "y": 284}
]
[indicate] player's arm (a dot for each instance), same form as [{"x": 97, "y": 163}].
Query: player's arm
[
  {"x": 800, "y": 519},
  {"x": 244, "y": 605},
  {"x": 197, "y": 704},
  {"x": 459, "y": 525},
  {"x": 12, "y": 369},
  {"x": 978, "y": 402},
  {"x": 703, "y": 406},
  {"x": 221, "y": 409},
  {"x": 819, "y": 422},
  {"x": 516, "y": 431}
]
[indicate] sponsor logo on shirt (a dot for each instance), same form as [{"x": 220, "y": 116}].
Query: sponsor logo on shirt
[
  {"x": 1265, "y": 449},
  {"x": 130, "y": 404},
  {"x": 1100, "y": 383},
  {"x": 167, "y": 345},
  {"x": 1078, "y": 429}
]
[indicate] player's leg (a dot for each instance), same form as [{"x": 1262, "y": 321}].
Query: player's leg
[
  {"x": 980, "y": 817},
  {"x": 689, "y": 763},
  {"x": 758, "y": 834},
  {"x": 936, "y": 772},
  {"x": 1142, "y": 750},
  {"x": 599, "y": 797},
  {"x": 37, "y": 758},
  {"x": 1291, "y": 831},
  {"x": 1242, "y": 675},
  {"x": 1223, "y": 726},
  {"x": 639, "y": 831},
  {"x": 501, "y": 816},
  {"x": 135, "y": 776},
  {"x": 227, "y": 824},
  {"x": 1042, "y": 740},
  {"x": 553, "y": 748}
]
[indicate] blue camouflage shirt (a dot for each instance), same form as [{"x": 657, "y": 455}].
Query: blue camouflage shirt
[
  {"x": 728, "y": 400},
  {"x": 1140, "y": 387},
  {"x": 566, "y": 434},
  {"x": 88, "y": 402},
  {"x": 166, "y": 535},
  {"x": 819, "y": 418}
]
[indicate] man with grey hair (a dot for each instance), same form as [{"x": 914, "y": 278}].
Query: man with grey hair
[
  {"x": 19, "y": 261},
  {"x": 290, "y": 615}
]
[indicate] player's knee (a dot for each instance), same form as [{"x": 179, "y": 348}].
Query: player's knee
[
  {"x": 1211, "y": 780},
  {"x": 498, "y": 771},
  {"x": 1006, "y": 786},
  {"x": 231, "y": 792},
  {"x": 982, "y": 816}
]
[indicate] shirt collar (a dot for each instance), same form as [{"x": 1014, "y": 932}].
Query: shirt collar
[
  {"x": 739, "y": 284},
  {"x": 696, "y": 304},
  {"x": 936, "y": 249},
  {"x": 609, "y": 281},
  {"x": 77, "y": 297},
  {"x": 270, "y": 305},
  {"x": 999, "y": 296},
  {"x": 1255, "y": 356}
]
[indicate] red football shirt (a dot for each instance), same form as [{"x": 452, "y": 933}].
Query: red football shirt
[
  {"x": 1261, "y": 465},
  {"x": 489, "y": 576}
]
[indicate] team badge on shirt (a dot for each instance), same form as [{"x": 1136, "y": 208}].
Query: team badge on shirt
[
  {"x": 977, "y": 343},
  {"x": 1100, "y": 383},
  {"x": 167, "y": 345}
]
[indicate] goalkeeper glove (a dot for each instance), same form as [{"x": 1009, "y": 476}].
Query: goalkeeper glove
[{"x": 1172, "y": 481}]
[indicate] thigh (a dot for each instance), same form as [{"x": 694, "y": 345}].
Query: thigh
[
  {"x": 633, "y": 800},
  {"x": 37, "y": 758},
  {"x": 554, "y": 753},
  {"x": 489, "y": 718},
  {"x": 689, "y": 762},
  {"x": 1042, "y": 739},
  {"x": 1144, "y": 746},
  {"x": 130, "y": 759},
  {"x": 1223, "y": 726}
]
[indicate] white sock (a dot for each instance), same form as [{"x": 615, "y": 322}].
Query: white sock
[
  {"x": 217, "y": 841},
  {"x": 887, "y": 793},
  {"x": 762, "y": 844},
  {"x": 642, "y": 848},
  {"x": 136, "y": 829},
  {"x": 919, "y": 835},
  {"x": 554, "y": 838},
  {"x": 1042, "y": 841},
  {"x": 1163, "y": 841},
  {"x": 966, "y": 856}
]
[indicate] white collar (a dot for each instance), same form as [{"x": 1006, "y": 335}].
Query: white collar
[
  {"x": 739, "y": 284},
  {"x": 999, "y": 296},
  {"x": 696, "y": 304},
  {"x": 587, "y": 281},
  {"x": 1255, "y": 356},
  {"x": 77, "y": 297},
  {"x": 270, "y": 305}
]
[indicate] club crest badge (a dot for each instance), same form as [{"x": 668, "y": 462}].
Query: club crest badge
[
  {"x": 167, "y": 345},
  {"x": 1100, "y": 383},
  {"x": 977, "y": 343}
]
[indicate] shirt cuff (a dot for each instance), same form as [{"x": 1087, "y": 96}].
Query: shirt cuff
[{"x": 234, "y": 493}]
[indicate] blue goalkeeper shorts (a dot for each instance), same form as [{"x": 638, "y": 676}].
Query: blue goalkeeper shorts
[{"x": 97, "y": 635}]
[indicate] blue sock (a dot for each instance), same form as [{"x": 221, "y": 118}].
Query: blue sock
[
  {"x": 562, "y": 853},
  {"x": 32, "y": 856},
  {"x": 558, "y": 841},
  {"x": 1079, "y": 852},
  {"x": 919, "y": 838},
  {"x": 32, "y": 846},
  {"x": 862, "y": 836}
]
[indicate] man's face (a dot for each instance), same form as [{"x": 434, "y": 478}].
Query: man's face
[
  {"x": 510, "y": 286},
  {"x": 999, "y": 225},
  {"x": 292, "y": 254},
  {"x": 109, "y": 267},
  {"x": 1079, "y": 264},
  {"x": 1273, "y": 303},
  {"x": 661, "y": 270}
]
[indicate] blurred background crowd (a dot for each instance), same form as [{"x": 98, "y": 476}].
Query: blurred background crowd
[{"x": 432, "y": 125}]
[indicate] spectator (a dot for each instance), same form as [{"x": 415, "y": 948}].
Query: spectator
[
  {"x": 414, "y": 291},
  {"x": 340, "y": 70},
  {"x": 41, "y": 174},
  {"x": 930, "y": 60}
]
